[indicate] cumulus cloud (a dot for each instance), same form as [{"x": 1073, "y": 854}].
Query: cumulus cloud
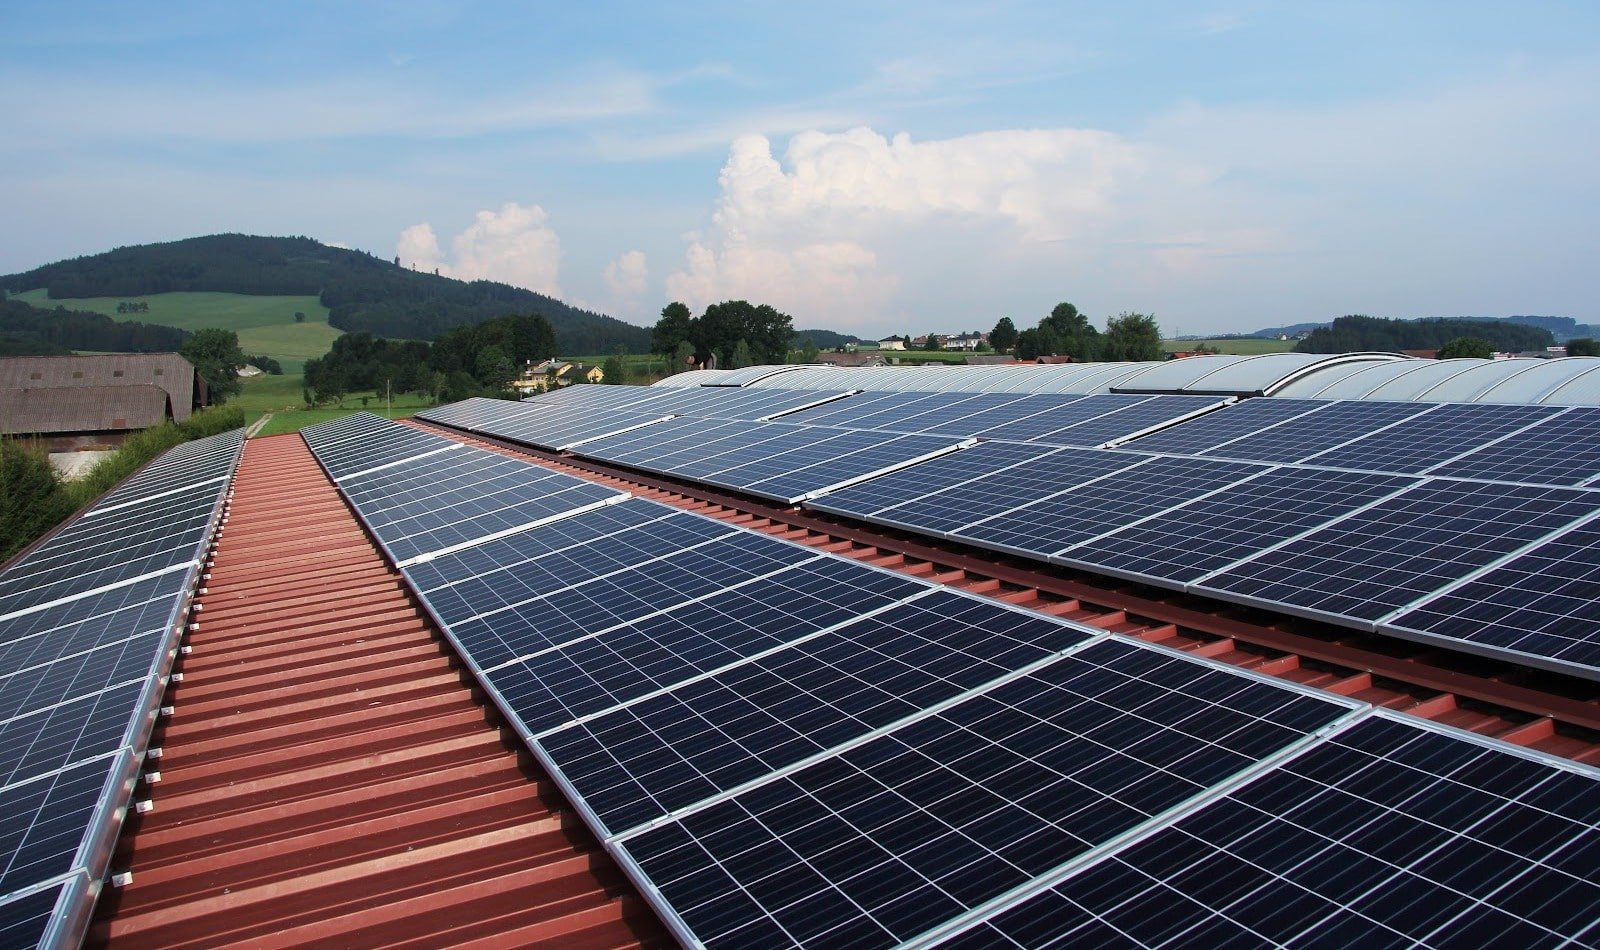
[
  {"x": 628, "y": 277},
  {"x": 514, "y": 245},
  {"x": 827, "y": 233}
]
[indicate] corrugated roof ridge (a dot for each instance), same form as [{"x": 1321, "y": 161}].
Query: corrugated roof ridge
[{"x": 328, "y": 775}]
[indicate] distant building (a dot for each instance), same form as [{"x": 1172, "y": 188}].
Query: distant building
[
  {"x": 892, "y": 343},
  {"x": 965, "y": 341},
  {"x": 553, "y": 374},
  {"x": 79, "y": 400}
]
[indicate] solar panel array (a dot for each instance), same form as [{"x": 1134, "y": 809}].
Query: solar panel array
[
  {"x": 782, "y": 745},
  {"x": 89, "y": 624}
]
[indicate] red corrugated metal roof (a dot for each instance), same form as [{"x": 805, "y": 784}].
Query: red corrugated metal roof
[{"x": 329, "y": 776}]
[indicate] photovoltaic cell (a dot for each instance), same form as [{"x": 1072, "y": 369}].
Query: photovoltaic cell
[
  {"x": 983, "y": 460},
  {"x": 1131, "y": 420},
  {"x": 499, "y": 633},
  {"x": 1195, "y": 539},
  {"x": 566, "y": 427},
  {"x": 80, "y": 674},
  {"x": 25, "y": 921},
  {"x": 875, "y": 845},
  {"x": 1226, "y": 424},
  {"x": 1544, "y": 604},
  {"x": 1389, "y": 834},
  {"x": 645, "y": 760},
  {"x": 384, "y": 446},
  {"x": 42, "y": 821},
  {"x": 987, "y": 411},
  {"x": 1562, "y": 450},
  {"x": 1069, "y": 412},
  {"x": 51, "y": 738},
  {"x": 673, "y": 445},
  {"x": 832, "y": 461},
  {"x": 1335, "y": 424},
  {"x": 1023, "y": 484},
  {"x": 1053, "y": 524},
  {"x": 1403, "y": 549},
  {"x": 878, "y": 411},
  {"x": 1424, "y": 441},
  {"x": 593, "y": 674}
]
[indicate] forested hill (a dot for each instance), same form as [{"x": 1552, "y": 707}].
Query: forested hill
[{"x": 361, "y": 292}]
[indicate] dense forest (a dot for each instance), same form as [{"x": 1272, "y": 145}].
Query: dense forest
[
  {"x": 26, "y": 330},
  {"x": 1562, "y": 328},
  {"x": 1361, "y": 333},
  {"x": 362, "y": 293}
]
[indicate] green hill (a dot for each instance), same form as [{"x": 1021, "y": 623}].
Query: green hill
[{"x": 359, "y": 291}]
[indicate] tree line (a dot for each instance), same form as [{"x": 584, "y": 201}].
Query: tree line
[
  {"x": 479, "y": 359},
  {"x": 737, "y": 332},
  {"x": 1066, "y": 331},
  {"x": 1357, "y": 333},
  {"x": 59, "y": 330}
]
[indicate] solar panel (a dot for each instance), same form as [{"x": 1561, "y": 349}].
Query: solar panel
[
  {"x": 1561, "y": 450},
  {"x": 1066, "y": 412},
  {"x": 589, "y": 675},
  {"x": 1421, "y": 442},
  {"x": 880, "y": 410},
  {"x": 382, "y": 446},
  {"x": 903, "y": 832},
  {"x": 1052, "y": 524},
  {"x": 1542, "y": 607},
  {"x": 752, "y": 404},
  {"x": 42, "y": 820},
  {"x": 512, "y": 620},
  {"x": 1226, "y": 424},
  {"x": 1028, "y": 481},
  {"x": 25, "y": 921},
  {"x": 1333, "y": 425},
  {"x": 1392, "y": 833},
  {"x": 707, "y": 736},
  {"x": 1115, "y": 426},
  {"x": 831, "y": 462},
  {"x": 1400, "y": 550},
  {"x": 50, "y": 737},
  {"x": 673, "y": 445},
  {"x": 1197, "y": 538},
  {"x": 566, "y": 427},
  {"x": 947, "y": 472},
  {"x": 989, "y": 410}
]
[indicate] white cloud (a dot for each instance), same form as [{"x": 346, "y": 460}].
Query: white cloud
[
  {"x": 513, "y": 245},
  {"x": 628, "y": 277},
  {"x": 830, "y": 234}
]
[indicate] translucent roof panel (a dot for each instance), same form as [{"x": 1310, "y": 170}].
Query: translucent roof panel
[
  {"x": 1570, "y": 381},
  {"x": 751, "y": 374},
  {"x": 698, "y": 377},
  {"x": 1479, "y": 378},
  {"x": 1362, "y": 380},
  {"x": 1225, "y": 375}
]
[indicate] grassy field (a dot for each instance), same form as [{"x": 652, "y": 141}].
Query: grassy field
[
  {"x": 281, "y": 396},
  {"x": 1235, "y": 347},
  {"x": 265, "y": 325}
]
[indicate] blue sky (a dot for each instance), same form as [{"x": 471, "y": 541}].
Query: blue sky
[{"x": 867, "y": 167}]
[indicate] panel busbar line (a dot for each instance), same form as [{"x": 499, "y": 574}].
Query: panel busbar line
[
  {"x": 1423, "y": 441},
  {"x": 1561, "y": 450},
  {"x": 1225, "y": 425},
  {"x": 1391, "y": 832},
  {"x": 1333, "y": 425},
  {"x": 920, "y": 825}
]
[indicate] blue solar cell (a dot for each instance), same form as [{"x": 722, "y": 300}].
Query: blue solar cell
[
  {"x": 668, "y": 752},
  {"x": 1403, "y": 549},
  {"x": 1562, "y": 450},
  {"x": 901, "y": 833},
  {"x": 1541, "y": 607},
  {"x": 1226, "y": 424},
  {"x": 1424, "y": 441},
  {"x": 498, "y": 634},
  {"x": 1027, "y": 482},
  {"x": 984, "y": 460},
  {"x": 835, "y": 461},
  {"x": 1333, "y": 425},
  {"x": 1389, "y": 834},
  {"x": 586, "y": 676},
  {"x": 1053, "y": 524},
  {"x": 1203, "y": 536},
  {"x": 53, "y": 737},
  {"x": 1067, "y": 412},
  {"x": 43, "y": 820},
  {"x": 987, "y": 411},
  {"x": 25, "y": 921},
  {"x": 1129, "y": 421}
]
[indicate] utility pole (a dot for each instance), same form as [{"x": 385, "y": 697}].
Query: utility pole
[{"x": 388, "y": 399}]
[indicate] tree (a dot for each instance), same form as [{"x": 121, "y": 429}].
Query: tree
[
  {"x": 1467, "y": 347},
  {"x": 1583, "y": 346},
  {"x": 615, "y": 370},
  {"x": 765, "y": 331},
  {"x": 299, "y": 317},
  {"x": 215, "y": 354},
  {"x": 1028, "y": 345},
  {"x": 680, "y": 357},
  {"x": 1004, "y": 335},
  {"x": 809, "y": 352},
  {"x": 740, "y": 358},
  {"x": 934, "y": 343},
  {"x": 1132, "y": 336},
  {"x": 494, "y": 368},
  {"x": 676, "y": 326},
  {"x": 1071, "y": 333}
]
